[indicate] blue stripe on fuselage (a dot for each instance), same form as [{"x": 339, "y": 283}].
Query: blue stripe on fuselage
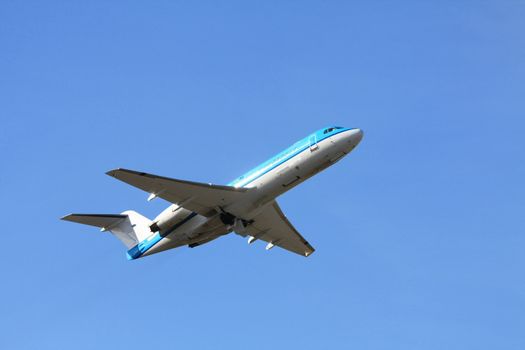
[
  {"x": 143, "y": 246},
  {"x": 284, "y": 156}
]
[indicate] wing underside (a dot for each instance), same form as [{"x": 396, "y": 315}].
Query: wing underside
[
  {"x": 195, "y": 196},
  {"x": 273, "y": 227}
]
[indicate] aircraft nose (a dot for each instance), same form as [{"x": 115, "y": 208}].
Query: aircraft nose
[{"x": 357, "y": 136}]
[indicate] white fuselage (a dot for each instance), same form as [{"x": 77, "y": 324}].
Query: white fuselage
[{"x": 275, "y": 177}]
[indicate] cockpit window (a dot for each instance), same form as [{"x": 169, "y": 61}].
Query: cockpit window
[{"x": 326, "y": 131}]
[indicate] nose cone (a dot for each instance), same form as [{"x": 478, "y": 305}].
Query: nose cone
[
  {"x": 350, "y": 138},
  {"x": 356, "y": 136}
]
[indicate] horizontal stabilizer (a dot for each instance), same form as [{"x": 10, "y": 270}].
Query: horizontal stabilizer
[
  {"x": 129, "y": 227},
  {"x": 98, "y": 220},
  {"x": 195, "y": 196}
]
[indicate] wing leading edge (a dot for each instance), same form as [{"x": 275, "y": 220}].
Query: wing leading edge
[
  {"x": 195, "y": 196},
  {"x": 273, "y": 227}
]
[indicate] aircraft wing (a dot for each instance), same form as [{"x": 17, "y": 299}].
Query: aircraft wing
[
  {"x": 273, "y": 227},
  {"x": 195, "y": 196}
]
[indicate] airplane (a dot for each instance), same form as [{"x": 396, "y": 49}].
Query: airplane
[{"x": 202, "y": 212}]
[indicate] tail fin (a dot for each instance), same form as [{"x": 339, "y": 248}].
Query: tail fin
[{"x": 129, "y": 227}]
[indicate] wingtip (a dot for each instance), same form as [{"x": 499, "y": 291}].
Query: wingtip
[
  {"x": 308, "y": 253},
  {"x": 65, "y": 217},
  {"x": 113, "y": 172}
]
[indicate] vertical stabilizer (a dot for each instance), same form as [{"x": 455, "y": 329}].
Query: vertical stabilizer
[{"x": 139, "y": 224}]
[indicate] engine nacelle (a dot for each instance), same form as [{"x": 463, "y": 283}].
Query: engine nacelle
[{"x": 170, "y": 217}]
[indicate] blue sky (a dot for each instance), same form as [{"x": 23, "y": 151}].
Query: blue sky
[{"x": 420, "y": 232}]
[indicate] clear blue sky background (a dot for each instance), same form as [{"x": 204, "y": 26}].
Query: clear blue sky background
[{"x": 420, "y": 233}]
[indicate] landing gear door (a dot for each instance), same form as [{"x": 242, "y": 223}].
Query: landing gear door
[{"x": 313, "y": 143}]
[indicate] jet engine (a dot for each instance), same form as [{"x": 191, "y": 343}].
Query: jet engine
[{"x": 170, "y": 217}]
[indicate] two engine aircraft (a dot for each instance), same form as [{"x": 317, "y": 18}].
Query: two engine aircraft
[{"x": 247, "y": 206}]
